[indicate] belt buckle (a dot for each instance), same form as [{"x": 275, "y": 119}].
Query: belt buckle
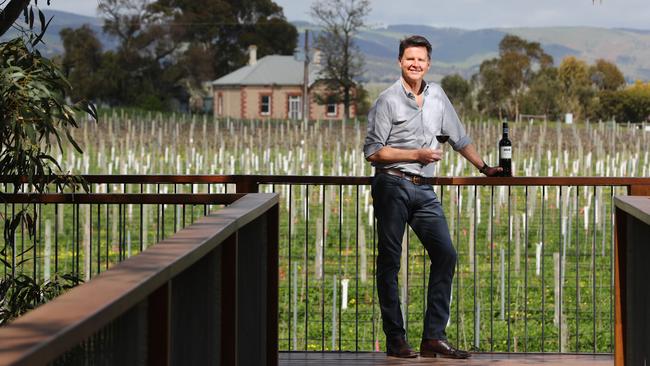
[{"x": 416, "y": 179}]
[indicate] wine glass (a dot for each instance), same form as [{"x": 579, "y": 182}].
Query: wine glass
[{"x": 442, "y": 136}]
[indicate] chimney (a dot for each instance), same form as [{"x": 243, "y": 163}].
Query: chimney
[
  {"x": 252, "y": 54},
  {"x": 317, "y": 56}
]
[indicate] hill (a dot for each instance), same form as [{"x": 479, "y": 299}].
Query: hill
[
  {"x": 462, "y": 51},
  {"x": 52, "y": 41},
  {"x": 454, "y": 50}
]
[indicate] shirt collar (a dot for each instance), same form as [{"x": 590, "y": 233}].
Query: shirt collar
[{"x": 425, "y": 89}]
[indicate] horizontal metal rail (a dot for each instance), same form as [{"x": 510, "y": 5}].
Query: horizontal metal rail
[{"x": 336, "y": 180}]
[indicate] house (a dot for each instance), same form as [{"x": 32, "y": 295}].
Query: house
[{"x": 272, "y": 87}]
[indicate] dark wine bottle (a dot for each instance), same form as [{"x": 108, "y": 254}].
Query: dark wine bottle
[{"x": 505, "y": 153}]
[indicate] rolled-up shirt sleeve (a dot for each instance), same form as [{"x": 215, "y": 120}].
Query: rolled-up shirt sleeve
[
  {"x": 458, "y": 138},
  {"x": 379, "y": 126}
]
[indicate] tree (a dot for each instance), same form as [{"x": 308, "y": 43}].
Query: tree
[
  {"x": 169, "y": 48},
  {"x": 218, "y": 32},
  {"x": 492, "y": 90},
  {"x": 34, "y": 112},
  {"x": 82, "y": 61},
  {"x": 341, "y": 20},
  {"x": 518, "y": 60},
  {"x": 145, "y": 61},
  {"x": 458, "y": 90},
  {"x": 523, "y": 79},
  {"x": 33, "y": 107},
  {"x": 362, "y": 100},
  {"x": 631, "y": 104},
  {"x": 542, "y": 96},
  {"x": 141, "y": 33},
  {"x": 637, "y": 109},
  {"x": 575, "y": 86},
  {"x": 606, "y": 76},
  {"x": 34, "y": 117},
  {"x": 508, "y": 77}
]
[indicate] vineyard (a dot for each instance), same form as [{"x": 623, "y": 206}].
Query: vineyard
[{"x": 535, "y": 262}]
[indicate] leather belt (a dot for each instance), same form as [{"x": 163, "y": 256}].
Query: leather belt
[{"x": 415, "y": 179}]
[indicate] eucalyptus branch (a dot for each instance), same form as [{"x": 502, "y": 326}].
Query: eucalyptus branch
[{"x": 10, "y": 13}]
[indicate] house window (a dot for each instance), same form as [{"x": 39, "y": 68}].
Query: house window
[
  {"x": 295, "y": 107},
  {"x": 265, "y": 105},
  {"x": 331, "y": 108}
]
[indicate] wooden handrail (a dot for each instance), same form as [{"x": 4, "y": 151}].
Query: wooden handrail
[{"x": 43, "y": 334}]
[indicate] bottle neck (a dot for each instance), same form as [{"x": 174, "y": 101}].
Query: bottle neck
[{"x": 505, "y": 132}]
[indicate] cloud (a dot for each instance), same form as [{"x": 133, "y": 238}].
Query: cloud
[
  {"x": 83, "y": 7},
  {"x": 469, "y": 14},
  {"x": 474, "y": 14}
]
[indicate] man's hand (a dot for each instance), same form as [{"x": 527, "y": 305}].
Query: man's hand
[
  {"x": 492, "y": 171},
  {"x": 426, "y": 156}
]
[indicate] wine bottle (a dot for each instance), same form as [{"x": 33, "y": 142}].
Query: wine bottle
[{"x": 505, "y": 153}]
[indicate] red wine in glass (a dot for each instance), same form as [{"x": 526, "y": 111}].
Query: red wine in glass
[{"x": 442, "y": 138}]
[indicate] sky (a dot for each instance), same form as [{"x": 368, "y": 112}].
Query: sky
[{"x": 468, "y": 14}]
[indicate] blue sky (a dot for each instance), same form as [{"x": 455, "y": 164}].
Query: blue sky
[{"x": 469, "y": 14}]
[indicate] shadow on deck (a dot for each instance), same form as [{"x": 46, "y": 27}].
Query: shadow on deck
[{"x": 492, "y": 359}]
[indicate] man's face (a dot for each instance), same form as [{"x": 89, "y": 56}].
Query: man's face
[{"x": 414, "y": 63}]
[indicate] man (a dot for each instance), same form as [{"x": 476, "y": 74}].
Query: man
[{"x": 401, "y": 145}]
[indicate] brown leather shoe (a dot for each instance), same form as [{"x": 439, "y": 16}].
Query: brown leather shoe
[
  {"x": 399, "y": 348},
  {"x": 441, "y": 348}
]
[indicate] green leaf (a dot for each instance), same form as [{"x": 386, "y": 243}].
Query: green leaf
[
  {"x": 14, "y": 224},
  {"x": 21, "y": 262},
  {"x": 31, "y": 17},
  {"x": 73, "y": 142},
  {"x": 40, "y": 36},
  {"x": 41, "y": 18},
  {"x": 34, "y": 111}
]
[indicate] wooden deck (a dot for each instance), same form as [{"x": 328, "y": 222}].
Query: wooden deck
[{"x": 492, "y": 359}]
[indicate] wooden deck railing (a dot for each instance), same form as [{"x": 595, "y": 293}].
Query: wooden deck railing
[
  {"x": 632, "y": 276},
  {"x": 479, "y": 286},
  {"x": 206, "y": 295}
]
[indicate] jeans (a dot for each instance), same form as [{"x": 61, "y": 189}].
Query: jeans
[{"x": 397, "y": 202}]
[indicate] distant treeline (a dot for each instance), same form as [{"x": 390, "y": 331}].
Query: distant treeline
[
  {"x": 524, "y": 80},
  {"x": 168, "y": 49}
]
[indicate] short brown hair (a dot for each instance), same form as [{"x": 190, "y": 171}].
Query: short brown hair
[{"x": 414, "y": 41}]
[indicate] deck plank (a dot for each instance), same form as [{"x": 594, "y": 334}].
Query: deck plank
[{"x": 492, "y": 359}]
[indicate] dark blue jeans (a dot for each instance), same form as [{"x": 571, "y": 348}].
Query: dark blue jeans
[{"x": 397, "y": 202}]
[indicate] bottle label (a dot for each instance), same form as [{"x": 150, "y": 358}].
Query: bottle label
[{"x": 505, "y": 152}]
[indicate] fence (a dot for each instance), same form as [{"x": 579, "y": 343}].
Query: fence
[
  {"x": 534, "y": 272},
  {"x": 207, "y": 293}
]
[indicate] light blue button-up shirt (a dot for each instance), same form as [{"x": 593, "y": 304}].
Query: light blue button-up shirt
[{"x": 396, "y": 120}]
